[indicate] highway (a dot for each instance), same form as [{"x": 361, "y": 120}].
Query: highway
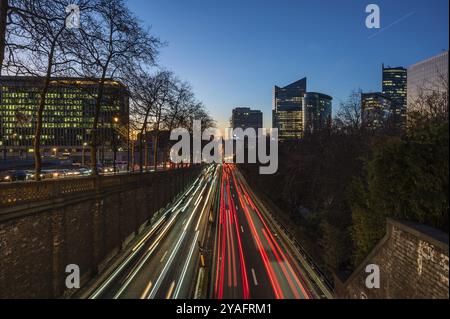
[
  {"x": 251, "y": 260},
  {"x": 165, "y": 262}
]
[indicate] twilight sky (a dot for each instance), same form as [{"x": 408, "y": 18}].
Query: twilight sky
[{"x": 234, "y": 51}]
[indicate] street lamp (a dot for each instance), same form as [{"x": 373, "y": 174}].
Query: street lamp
[
  {"x": 82, "y": 155},
  {"x": 4, "y": 149},
  {"x": 116, "y": 120}
]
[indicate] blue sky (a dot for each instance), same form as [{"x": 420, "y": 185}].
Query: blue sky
[{"x": 234, "y": 51}]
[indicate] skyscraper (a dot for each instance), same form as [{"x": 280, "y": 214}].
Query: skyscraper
[
  {"x": 317, "y": 112},
  {"x": 395, "y": 88},
  {"x": 376, "y": 109},
  {"x": 288, "y": 110},
  {"x": 244, "y": 117},
  {"x": 425, "y": 78}
]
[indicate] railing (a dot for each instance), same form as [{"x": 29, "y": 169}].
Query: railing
[
  {"x": 84, "y": 221},
  {"x": 12, "y": 194}
]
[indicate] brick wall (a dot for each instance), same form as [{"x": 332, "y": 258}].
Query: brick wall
[
  {"x": 46, "y": 226},
  {"x": 413, "y": 263}
]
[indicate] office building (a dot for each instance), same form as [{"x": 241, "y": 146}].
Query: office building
[
  {"x": 395, "y": 88},
  {"x": 288, "y": 110},
  {"x": 426, "y": 78},
  {"x": 376, "y": 109},
  {"x": 67, "y": 119},
  {"x": 244, "y": 117},
  {"x": 317, "y": 112}
]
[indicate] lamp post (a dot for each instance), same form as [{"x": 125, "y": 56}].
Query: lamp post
[
  {"x": 3, "y": 144},
  {"x": 83, "y": 161},
  {"x": 128, "y": 146},
  {"x": 116, "y": 121}
]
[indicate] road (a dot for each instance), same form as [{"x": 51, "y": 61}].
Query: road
[
  {"x": 251, "y": 259},
  {"x": 165, "y": 262}
]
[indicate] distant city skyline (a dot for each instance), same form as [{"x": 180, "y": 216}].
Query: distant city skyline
[{"x": 234, "y": 52}]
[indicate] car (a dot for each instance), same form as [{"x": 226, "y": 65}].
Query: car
[
  {"x": 73, "y": 172},
  {"x": 49, "y": 173},
  {"x": 12, "y": 176},
  {"x": 85, "y": 171}
]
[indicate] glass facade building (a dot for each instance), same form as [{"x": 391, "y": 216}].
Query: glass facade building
[
  {"x": 395, "y": 88},
  {"x": 244, "y": 117},
  {"x": 376, "y": 109},
  {"x": 68, "y": 115},
  {"x": 427, "y": 77},
  {"x": 288, "y": 110},
  {"x": 317, "y": 112}
]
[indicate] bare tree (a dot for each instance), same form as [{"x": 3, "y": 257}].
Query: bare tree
[
  {"x": 110, "y": 43},
  {"x": 150, "y": 93},
  {"x": 4, "y": 7},
  {"x": 178, "y": 106},
  {"x": 200, "y": 113},
  {"x": 178, "y": 110},
  {"x": 349, "y": 116},
  {"x": 36, "y": 47},
  {"x": 430, "y": 103}
]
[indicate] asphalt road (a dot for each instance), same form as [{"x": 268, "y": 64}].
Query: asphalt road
[
  {"x": 251, "y": 259},
  {"x": 165, "y": 262}
]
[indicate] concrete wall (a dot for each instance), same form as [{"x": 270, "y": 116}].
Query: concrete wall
[
  {"x": 413, "y": 262},
  {"x": 46, "y": 226}
]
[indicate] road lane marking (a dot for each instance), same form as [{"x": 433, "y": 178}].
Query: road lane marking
[
  {"x": 169, "y": 293},
  {"x": 140, "y": 244},
  {"x": 152, "y": 248},
  {"x": 254, "y": 277},
  {"x": 149, "y": 233},
  {"x": 171, "y": 257},
  {"x": 164, "y": 256},
  {"x": 147, "y": 289},
  {"x": 135, "y": 272},
  {"x": 242, "y": 229},
  {"x": 186, "y": 265},
  {"x": 204, "y": 206}
]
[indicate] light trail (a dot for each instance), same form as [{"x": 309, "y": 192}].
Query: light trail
[
  {"x": 246, "y": 289},
  {"x": 270, "y": 271},
  {"x": 206, "y": 203},
  {"x": 172, "y": 255},
  {"x": 186, "y": 265},
  {"x": 283, "y": 267},
  {"x": 270, "y": 240},
  {"x": 161, "y": 228}
]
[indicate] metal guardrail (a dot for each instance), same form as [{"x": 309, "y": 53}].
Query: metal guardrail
[{"x": 303, "y": 252}]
